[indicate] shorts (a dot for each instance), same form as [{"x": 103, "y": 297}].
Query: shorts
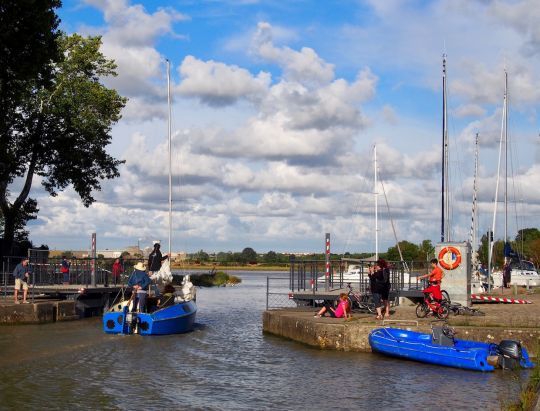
[
  {"x": 376, "y": 299},
  {"x": 20, "y": 283}
]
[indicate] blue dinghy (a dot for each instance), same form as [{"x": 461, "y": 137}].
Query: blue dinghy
[
  {"x": 441, "y": 348},
  {"x": 174, "y": 319}
]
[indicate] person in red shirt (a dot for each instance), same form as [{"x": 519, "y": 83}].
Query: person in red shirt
[{"x": 435, "y": 278}]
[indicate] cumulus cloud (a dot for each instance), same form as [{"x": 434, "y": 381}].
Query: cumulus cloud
[
  {"x": 218, "y": 84},
  {"x": 130, "y": 39},
  {"x": 304, "y": 66}
]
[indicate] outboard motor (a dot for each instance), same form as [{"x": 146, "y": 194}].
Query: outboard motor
[
  {"x": 442, "y": 335},
  {"x": 510, "y": 354}
]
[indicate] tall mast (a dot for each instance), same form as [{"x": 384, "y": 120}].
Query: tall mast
[
  {"x": 170, "y": 157},
  {"x": 474, "y": 217},
  {"x": 444, "y": 173},
  {"x": 496, "y": 201},
  {"x": 505, "y": 157},
  {"x": 375, "y": 193}
]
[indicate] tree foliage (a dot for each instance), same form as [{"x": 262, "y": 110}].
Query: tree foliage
[{"x": 56, "y": 114}]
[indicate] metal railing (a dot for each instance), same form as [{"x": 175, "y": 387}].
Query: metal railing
[
  {"x": 310, "y": 275},
  {"x": 277, "y": 293},
  {"x": 46, "y": 271}
]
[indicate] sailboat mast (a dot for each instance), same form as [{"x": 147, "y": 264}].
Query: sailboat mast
[
  {"x": 444, "y": 173},
  {"x": 375, "y": 193},
  {"x": 506, "y": 158},
  {"x": 170, "y": 149},
  {"x": 496, "y": 200},
  {"x": 474, "y": 218}
]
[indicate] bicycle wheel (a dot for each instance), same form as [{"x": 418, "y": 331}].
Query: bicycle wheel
[
  {"x": 368, "y": 304},
  {"x": 442, "y": 312},
  {"x": 445, "y": 296},
  {"x": 422, "y": 310}
]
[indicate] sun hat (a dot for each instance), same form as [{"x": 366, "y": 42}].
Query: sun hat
[{"x": 140, "y": 266}]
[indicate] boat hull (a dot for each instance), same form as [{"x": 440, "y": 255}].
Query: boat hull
[
  {"x": 416, "y": 346},
  {"x": 175, "y": 319}
]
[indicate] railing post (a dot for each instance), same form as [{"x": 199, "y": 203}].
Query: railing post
[{"x": 267, "y": 290}]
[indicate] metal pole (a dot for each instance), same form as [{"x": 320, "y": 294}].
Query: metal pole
[
  {"x": 267, "y": 290},
  {"x": 375, "y": 193},
  {"x": 327, "y": 258},
  {"x": 444, "y": 153},
  {"x": 170, "y": 149}
]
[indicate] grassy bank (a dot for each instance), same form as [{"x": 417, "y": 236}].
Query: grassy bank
[
  {"x": 528, "y": 397},
  {"x": 217, "y": 279},
  {"x": 210, "y": 267}
]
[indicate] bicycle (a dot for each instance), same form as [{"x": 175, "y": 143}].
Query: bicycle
[
  {"x": 362, "y": 302},
  {"x": 430, "y": 305},
  {"x": 458, "y": 309}
]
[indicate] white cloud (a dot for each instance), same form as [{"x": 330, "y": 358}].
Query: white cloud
[
  {"x": 304, "y": 66},
  {"x": 218, "y": 84}
]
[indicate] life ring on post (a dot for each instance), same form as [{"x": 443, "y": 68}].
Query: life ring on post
[{"x": 449, "y": 258}]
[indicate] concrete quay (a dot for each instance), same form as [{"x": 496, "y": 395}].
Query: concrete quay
[
  {"x": 39, "y": 312},
  {"x": 502, "y": 321}
]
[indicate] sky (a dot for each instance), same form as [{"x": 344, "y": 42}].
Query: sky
[{"x": 277, "y": 107}]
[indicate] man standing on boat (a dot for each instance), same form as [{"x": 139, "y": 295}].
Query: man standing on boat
[
  {"x": 140, "y": 281},
  {"x": 155, "y": 258}
]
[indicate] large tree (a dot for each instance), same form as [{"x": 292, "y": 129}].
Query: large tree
[{"x": 56, "y": 115}]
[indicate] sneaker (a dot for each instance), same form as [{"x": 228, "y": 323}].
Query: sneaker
[
  {"x": 16, "y": 302},
  {"x": 26, "y": 302},
  {"x": 317, "y": 316}
]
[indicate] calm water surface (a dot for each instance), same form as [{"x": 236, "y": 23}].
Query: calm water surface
[{"x": 226, "y": 363}]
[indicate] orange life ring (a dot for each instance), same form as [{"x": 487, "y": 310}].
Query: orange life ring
[{"x": 449, "y": 258}]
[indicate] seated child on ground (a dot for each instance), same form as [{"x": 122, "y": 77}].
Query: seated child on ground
[{"x": 341, "y": 311}]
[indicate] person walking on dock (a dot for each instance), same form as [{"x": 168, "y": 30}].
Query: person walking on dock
[
  {"x": 140, "y": 281},
  {"x": 22, "y": 275}
]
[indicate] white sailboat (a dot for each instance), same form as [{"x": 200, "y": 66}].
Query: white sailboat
[
  {"x": 523, "y": 273},
  {"x": 178, "y": 316}
]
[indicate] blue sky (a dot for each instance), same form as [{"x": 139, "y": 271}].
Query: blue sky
[{"x": 277, "y": 106}]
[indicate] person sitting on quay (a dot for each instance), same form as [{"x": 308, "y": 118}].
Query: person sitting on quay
[
  {"x": 341, "y": 311},
  {"x": 22, "y": 275},
  {"x": 435, "y": 279},
  {"x": 139, "y": 280}
]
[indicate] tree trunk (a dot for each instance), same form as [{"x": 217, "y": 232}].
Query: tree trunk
[{"x": 9, "y": 233}]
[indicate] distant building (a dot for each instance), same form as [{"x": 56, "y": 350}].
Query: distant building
[
  {"x": 133, "y": 250},
  {"x": 109, "y": 253}
]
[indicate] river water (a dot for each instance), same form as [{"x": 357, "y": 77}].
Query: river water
[{"x": 225, "y": 364}]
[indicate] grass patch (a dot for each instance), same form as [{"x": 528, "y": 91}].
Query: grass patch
[
  {"x": 529, "y": 394},
  {"x": 217, "y": 279}
]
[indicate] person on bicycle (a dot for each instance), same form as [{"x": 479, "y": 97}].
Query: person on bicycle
[{"x": 435, "y": 279}]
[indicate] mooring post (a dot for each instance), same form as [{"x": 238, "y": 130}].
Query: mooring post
[
  {"x": 93, "y": 262},
  {"x": 327, "y": 259}
]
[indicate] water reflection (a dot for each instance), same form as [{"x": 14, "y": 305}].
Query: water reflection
[{"x": 225, "y": 363}]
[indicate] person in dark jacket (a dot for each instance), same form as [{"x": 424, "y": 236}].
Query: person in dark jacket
[
  {"x": 507, "y": 274},
  {"x": 378, "y": 274},
  {"x": 155, "y": 258},
  {"x": 140, "y": 281}
]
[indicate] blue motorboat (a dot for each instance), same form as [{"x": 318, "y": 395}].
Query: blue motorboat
[
  {"x": 441, "y": 348},
  {"x": 174, "y": 319}
]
